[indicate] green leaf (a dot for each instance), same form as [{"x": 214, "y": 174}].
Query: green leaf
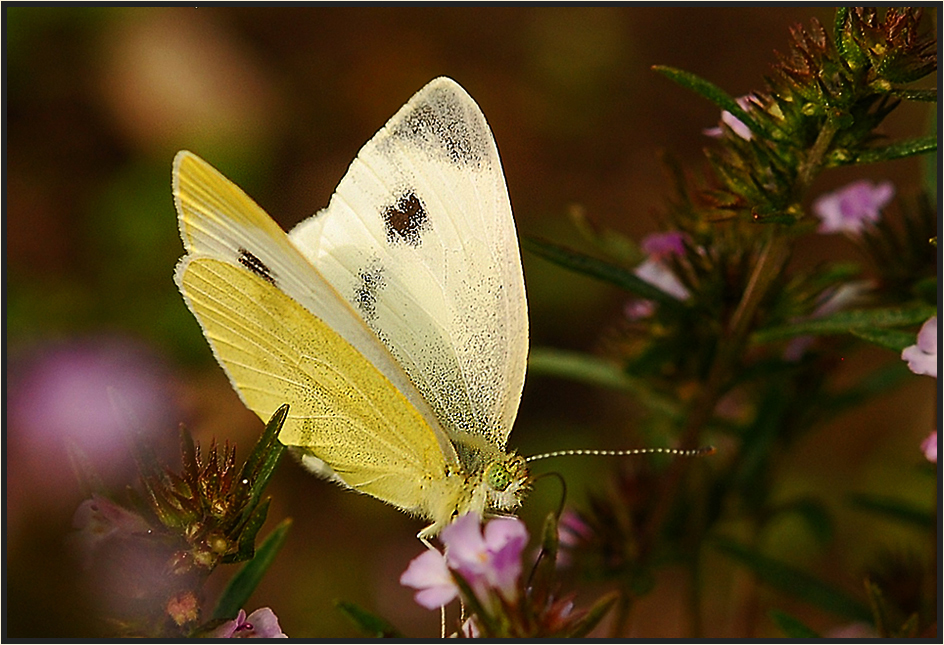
[
  {"x": 845, "y": 321},
  {"x": 85, "y": 472},
  {"x": 892, "y": 339},
  {"x": 247, "y": 534},
  {"x": 615, "y": 245},
  {"x": 242, "y": 584},
  {"x": 261, "y": 462},
  {"x": 600, "y": 269},
  {"x": 795, "y": 582},
  {"x": 898, "y": 150},
  {"x": 711, "y": 92},
  {"x": 368, "y": 622},
  {"x": 594, "y": 615},
  {"x": 814, "y": 513},
  {"x": 593, "y": 370},
  {"x": 929, "y": 95},
  {"x": 895, "y": 509},
  {"x": 792, "y": 627}
]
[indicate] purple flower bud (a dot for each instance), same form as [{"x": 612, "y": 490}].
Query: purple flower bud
[{"x": 851, "y": 208}]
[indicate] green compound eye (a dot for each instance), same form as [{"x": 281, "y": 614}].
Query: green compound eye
[{"x": 498, "y": 476}]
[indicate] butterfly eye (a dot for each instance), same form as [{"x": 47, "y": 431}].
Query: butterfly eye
[{"x": 498, "y": 476}]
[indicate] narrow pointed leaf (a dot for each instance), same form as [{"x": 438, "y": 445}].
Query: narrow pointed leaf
[
  {"x": 845, "y": 321},
  {"x": 600, "y": 269},
  {"x": 795, "y": 582},
  {"x": 893, "y": 339},
  {"x": 247, "y": 534},
  {"x": 895, "y": 509},
  {"x": 594, "y": 615},
  {"x": 711, "y": 92},
  {"x": 261, "y": 462},
  {"x": 86, "y": 473},
  {"x": 899, "y": 150},
  {"x": 929, "y": 96},
  {"x": 593, "y": 370},
  {"x": 792, "y": 627},
  {"x": 367, "y": 622},
  {"x": 242, "y": 584}
]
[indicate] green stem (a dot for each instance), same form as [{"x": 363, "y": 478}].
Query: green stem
[
  {"x": 769, "y": 264},
  {"x": 816, "y": 158}
]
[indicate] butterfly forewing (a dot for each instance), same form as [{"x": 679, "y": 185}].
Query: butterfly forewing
[
  {"x": 218, "y": 220},
  {"x": 420, "y": 240}
]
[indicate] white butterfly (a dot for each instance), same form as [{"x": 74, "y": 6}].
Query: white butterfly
[{"x": 394, "y": 322}]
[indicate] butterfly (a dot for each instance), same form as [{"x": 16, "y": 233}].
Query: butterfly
[{"x": 394, "y": 322}]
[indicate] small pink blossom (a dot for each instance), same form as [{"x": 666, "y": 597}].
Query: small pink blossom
[
  {"x": 572, "y": 532},
  {"x": 262, "y": 623},
  {"x": 489, "y": 562},
  {"x": 429, "y": 574},
  {"x": 922, "y": 357},
  {"x": 851, "y": 208},
  {"x": 654, "y": 270},
  {"x": 659, "y": 246},
  {"x": 929, "y": 447},
  {"x": 737, "y": 126}
]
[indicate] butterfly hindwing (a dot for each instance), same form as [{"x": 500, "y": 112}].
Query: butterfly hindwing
[
  {"x": 419, "y": 239},
  {"x": 341, "y": 408}
]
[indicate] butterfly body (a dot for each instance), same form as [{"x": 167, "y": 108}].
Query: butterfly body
[{"x": 393, "y": 322}]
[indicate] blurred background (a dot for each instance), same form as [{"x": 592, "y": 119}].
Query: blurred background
[{"x": 280, "y": 100}]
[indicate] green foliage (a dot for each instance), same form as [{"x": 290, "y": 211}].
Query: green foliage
[
  {"x": 241, "y": 585},
  {"x": 791, "y": 626},
  {"x": 795, "y": 582},
  {"x": 759, "y": 330},
  {"x": 369, "y": 623}
]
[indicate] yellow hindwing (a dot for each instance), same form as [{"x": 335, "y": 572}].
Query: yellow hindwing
[{"x": 342, "y": 409}]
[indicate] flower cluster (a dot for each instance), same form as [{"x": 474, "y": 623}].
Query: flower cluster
[
  {"x": 490, "y": 563},
  {"x": 484, "y": 568}
]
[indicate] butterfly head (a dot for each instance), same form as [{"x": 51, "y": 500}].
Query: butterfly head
[{"x": 505, "y": 480}]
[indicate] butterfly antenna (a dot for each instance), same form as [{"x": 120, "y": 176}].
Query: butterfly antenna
[{"x": 694, "y": 452}]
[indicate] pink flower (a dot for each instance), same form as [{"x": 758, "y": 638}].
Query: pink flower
[
  {"x": 737, "y": 126},
  {"x": 429, "y": 574},
  {"x": 489, "y": 562},
  {"x": 659, "y": 246},
  {"x": 929, "y": 447},
  {"x": 922, "y": 357},
  {"x": 851, "y": 208},
  {"x": 262, "y": 623},
  {"x": 572, "y": 532},
  {"x": 655, "y": 271}
]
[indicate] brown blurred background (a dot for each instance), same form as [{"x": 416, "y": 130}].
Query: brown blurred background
[{"x": 99, "y": 100}]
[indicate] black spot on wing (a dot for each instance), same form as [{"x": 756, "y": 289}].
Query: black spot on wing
[
  {"x": 405, "y": 220},
  {"x": 257, "y": 266},
  {"x": 370, "y": 282}
]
